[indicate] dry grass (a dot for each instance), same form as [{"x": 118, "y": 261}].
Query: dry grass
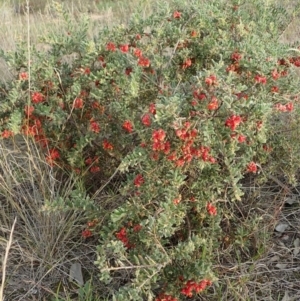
[{"x": 45, "y": 244}]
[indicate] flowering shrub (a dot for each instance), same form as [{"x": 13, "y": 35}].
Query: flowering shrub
[{"x": 182, "y": 108}]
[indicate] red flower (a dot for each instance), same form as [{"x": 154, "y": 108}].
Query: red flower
[
  {"x": 127, "y": 126},
  {"x": 192, "y": 286},
  {"x": 110, "y": 46},
  {"x": 241, "y": 95},
  {"x": 94, "y": 169},
  {"x": 280, "y": 107},
  {"x": 87, "y": 71},
  {"x": 233, "y": 121},
  {"x": 213, "y": 105},
  {"x": 86, "y": 233},
  {"x": 275, "y": 74},
  {"x": 107, "y": 145},
  {"x": 176, "y": 201},
  {"x": 194, "y": 33},
  {"x": 78, "y": 103},
  {"x": 124, "y": 48},
  {"x": 158, "y": 135},
  {"x": 139, "y": 180},
  {"x": 128, "y": 70},
  {"x": 260, "y": 79},
  {"x": 176, "y": 14},
  {"x": 137, "y": 52},
  {"x": 172, "y": 157},
  {"x": 164, "y": 297},
  {"x": 152, "y": 108},
  {"x": 94, "y": 126},
  {"x": 23, "y": 76},
  {"x": 241, "y": 138},
  {"x": 137, "y": 228},
  {"x": 289, "y": 106},
  {"x": 275, "y": 89},
  {"x": 235, "y": 57},
  {"x": 53, "y": 155},
  {"x": 211, "y": 80},
  {"x": 180, "y": 162},
  {"x": 7, "y": 134},
  {"x": 143, "y": 62},
  {"x": 187, "y": 63},
  {"x": 28, "y": 110},
  {"x": 211, "y": 209},
  {"x": 252, "y": 167},
  {"x": 37, "y": 97},
  {"x": 146, "y": 119}
]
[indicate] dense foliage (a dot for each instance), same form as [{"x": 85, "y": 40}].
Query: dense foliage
[{"x": 174, "y": 110}]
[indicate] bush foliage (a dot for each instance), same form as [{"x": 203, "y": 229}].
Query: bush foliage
[{"x": 170, "y": 114}]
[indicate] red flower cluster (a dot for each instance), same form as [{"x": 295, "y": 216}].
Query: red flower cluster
[
  {"x": 213, "y": 104},
  {"x": 23, "y": 76},
  {"x": 137, "y": 52},
  {"x": 194, "y": 287},
  {"x": 110, "y": 46},
  {"x": 128, "y": 70},
  {"x": 94, "y": 126},
  {"x": 78, "y": 103},
  {"x": 7, "y": 134},
  {"x": 252, "y": 167},
  {"x": 199, "y": 95},
  {"x": 152, "y": 108},
  {"x": 86, "y": 233},
  {"x": 93, "y": 168},
  {"x": 233, "y": 121},
  {"x": 138, "y": 180},
  {"x": 33, "y": 127},
  {"x": 52, "y": 156},
  {"x": 90, "y": 160},
  {"x": 146, "y": 119},
  {"x": 240, "y": 138},
  {"x": 295, "y": 61},
  {"x": 122, "y": 235},
  {"x": 211, "y": 80},
  {"x": 37, "y": 97},
  {"x": 124, "y": 48},
  {"x": 241, "y": 95},
  {"x": 260, "y": 79},
  {"x": 107, "y": 145},
  {"x": 236, "y": 57},
  {"x": 211, "y": 209},
  {"x": 275, "y": 74},
  {"x": 187, "y": 63},
  {"x": 28, "y": 110},
  {"x": 127, "y": 126},
  {"x": 143, "y": 62},
  {"x": 275, "y": 89},
  {"x": 159, "y": 143},
  {"x": 176, "y": 14},
  {"x": 188, "y": 151},
  {"x": 87, "y": 71},
  {"x": 158, "y": 135},
  {"x": 284, "y": 108},
  {"x": 164, "y": 297}
]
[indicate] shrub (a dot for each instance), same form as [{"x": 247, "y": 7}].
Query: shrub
[{"x": 175, "y": 110}]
